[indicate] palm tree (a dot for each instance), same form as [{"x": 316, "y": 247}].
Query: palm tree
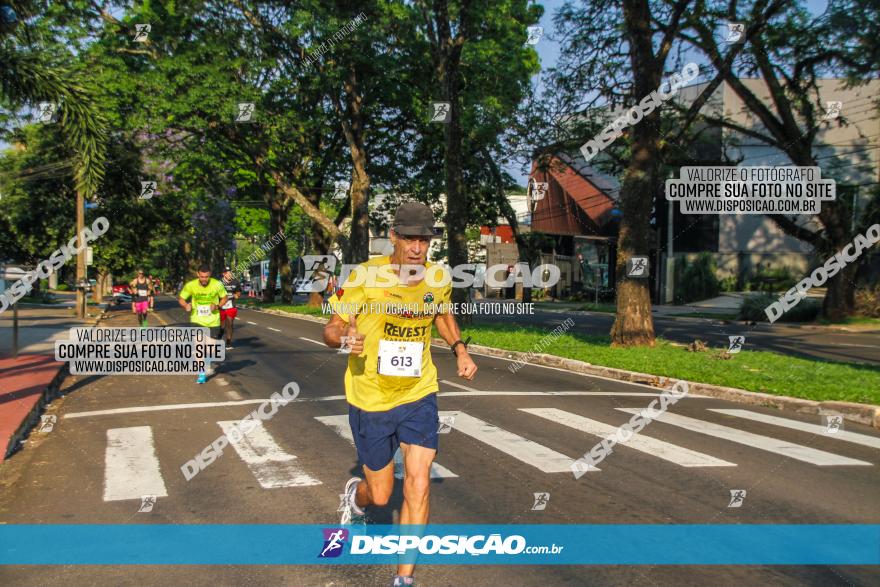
[{"x": 26, "y": 77}]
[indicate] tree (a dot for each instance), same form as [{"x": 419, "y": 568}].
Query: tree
[
  {"x": 465, "y": 39},
  {"x": 780, "y": 48},
  {"x": 612, "y": 50},
  {"x": 31, "y": 74}
]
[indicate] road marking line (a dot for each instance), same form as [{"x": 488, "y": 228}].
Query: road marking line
[
  {"x": 459, "y": 385},
  {"x": 164, "y": 407},
  {"x": 522, "y": 449},
  {"x": 161, "y": 408},
  {"x": 268, "y": 462},
  {"x": 776, "y": 446},
  {"x": 658, "y": 448},
  {"x": 275, "y": 329},
  {"x": 249, "y": 322},
  {"x": 131, "y": 469},
  {"x": 561, "y": 393},
  {"x": 340, "y": 425},
  {"x": 312, "y": 340},
  {"x": 862, "y": 439}
]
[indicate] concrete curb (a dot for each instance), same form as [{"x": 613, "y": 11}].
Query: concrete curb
[
  {"x": 46, "y": 397},
  {"x": 859, "y": 413},
  {"x": 288, "y": 314},
  {"x": 33, "y": 417}
]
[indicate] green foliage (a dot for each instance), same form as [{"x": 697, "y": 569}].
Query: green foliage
[
  {"x": 63, "y": 287},
  {"x": 727, "y": 284},
  {"x": 868, "y": 301},
  {"x": 767, "y": 279},
  {"x": 696, "y": 281}
]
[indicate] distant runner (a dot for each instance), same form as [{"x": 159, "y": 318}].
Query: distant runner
[
  {"x": 141, "y": 290},
  {"x": 228, "y": 311},
  {"x": 153, "y": 290},
  {"x": 391, "y": 381},
  {"x": 207, "y": 295}
]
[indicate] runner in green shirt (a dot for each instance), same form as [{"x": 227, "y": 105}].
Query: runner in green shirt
[{"x": 207, "y": 294}]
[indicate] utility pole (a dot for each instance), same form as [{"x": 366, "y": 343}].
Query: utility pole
[{"x": 81, "y": 256}]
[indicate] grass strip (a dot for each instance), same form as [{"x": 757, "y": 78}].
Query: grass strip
[{"x": 761, "y": 371}]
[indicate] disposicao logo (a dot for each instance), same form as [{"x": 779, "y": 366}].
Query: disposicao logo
[{"x": 334, "y": 542}]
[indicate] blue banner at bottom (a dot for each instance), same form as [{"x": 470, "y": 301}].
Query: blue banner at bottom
[{"x": 474, "y": 544}]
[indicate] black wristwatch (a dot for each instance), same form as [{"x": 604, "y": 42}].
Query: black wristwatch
[{"x": 463, "y": 343}]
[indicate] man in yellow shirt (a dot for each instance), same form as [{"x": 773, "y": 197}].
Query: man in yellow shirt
[
  {"x": 383, "y": 314},
  {"x": 207, "y": 294}
]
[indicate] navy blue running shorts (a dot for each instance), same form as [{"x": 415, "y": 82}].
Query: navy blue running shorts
[{"x": 377, "y": 435}]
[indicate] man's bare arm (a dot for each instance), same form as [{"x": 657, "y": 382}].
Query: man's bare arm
[{"x": 449, "y": 331}]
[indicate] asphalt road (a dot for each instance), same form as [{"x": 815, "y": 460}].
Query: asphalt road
[{"x": 675, "y": 475}]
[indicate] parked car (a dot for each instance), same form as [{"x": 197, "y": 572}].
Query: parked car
[{"x": 120, "y": 293}]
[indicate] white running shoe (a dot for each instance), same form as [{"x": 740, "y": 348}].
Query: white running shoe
[{"x": 351, "y": 513}]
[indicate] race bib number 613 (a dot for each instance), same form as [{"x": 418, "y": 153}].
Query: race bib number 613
[{"x": 400, "y": 358}]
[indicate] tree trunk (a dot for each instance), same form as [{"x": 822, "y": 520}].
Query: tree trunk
[
  {"x": 98, "y": 293},
  {"x": 358, "y": 249},
  {"x": 525, "y": 251},
  {"x": 840, "y": 297},
  {"x": 277, "y": 222},
  {"x": 321, "y": 243},
  {"x": 633, "y": 323},
  {"x": 456, "y": 203},
  {"x": 80, "y": 257}
]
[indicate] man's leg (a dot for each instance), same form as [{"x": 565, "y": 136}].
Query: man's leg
[
  {"x": 227, "y": 327},
  {"x": 377, "y": 488},
  {"x": 215, "y": 334},
  {"x": 416, "y": 490}
]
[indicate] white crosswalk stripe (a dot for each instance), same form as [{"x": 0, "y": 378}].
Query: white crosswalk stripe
[
  {"x": 339, "y": 424},
  {"x": 268, "y": 462},
  {"x": 862, "y": 439},
  {"x": 766, "y": 443},
  {"x": 658, "y": 448},
  {"x": 522, "y": 449},
  {"x": 131, "y": 469}
]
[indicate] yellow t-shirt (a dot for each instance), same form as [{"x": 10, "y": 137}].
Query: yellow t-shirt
[{"x": 394, "y": 312}]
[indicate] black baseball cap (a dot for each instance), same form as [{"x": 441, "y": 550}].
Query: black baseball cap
[
  {"x": 414, "y": 219},
  {"x": 227, "y": 268}
]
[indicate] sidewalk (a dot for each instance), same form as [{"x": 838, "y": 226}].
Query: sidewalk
[{"x": 28, "y": 381}]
